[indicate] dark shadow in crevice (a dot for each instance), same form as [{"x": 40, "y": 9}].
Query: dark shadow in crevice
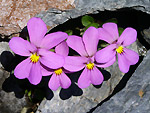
[
  {"x": 127, "y": 17},
  {"x": 73, "y": 90}
]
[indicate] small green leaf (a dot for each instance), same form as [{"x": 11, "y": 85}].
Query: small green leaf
[
  {"x": 96, "y": 25},
  {"x": 29, "y": 93},
  {"x": 114, "y": 20},
  {"x": 52, "y": 50},
  {"x": 86, "y": 20},
  {"x": 69, "y": 32},
  {"x": 26, "y": 91},
  {"x": 92, "y": 24},
  {"x": 28, "y": 39},
  {"x": 120, "y": 29}
]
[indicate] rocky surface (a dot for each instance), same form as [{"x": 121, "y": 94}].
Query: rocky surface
[
  {"x": 54, "y": 17},
  {"x": 8, "y": 101},
  {"x": 134, "y": 98},
  {"x": 146, "y": 35},
  {"x": 14, "y": 14}
]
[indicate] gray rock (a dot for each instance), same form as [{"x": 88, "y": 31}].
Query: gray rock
[
  {"x": 54, "y": 17},
  {"x": 8, "y": 101},
  {"x": 134, "y": 98},
  {"x": 4, "y": 47},
  {"x": 146, "y": 35}
]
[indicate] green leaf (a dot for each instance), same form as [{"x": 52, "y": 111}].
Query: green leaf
[
  {"x": 69, "y": 32},
  {"x": 120, "y": 29},
  {"x": 28, "y": 39},
  {"x": 29, "y": 93},
  {"x": 52, "y": 50},
  {"x": 114, "y": 20},
  {"x": 96, "y": 25},
  {"x": 26, "y": 91},
  {"x": 86, "y": 20}
]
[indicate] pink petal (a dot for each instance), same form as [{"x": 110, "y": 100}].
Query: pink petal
[
  {"x": 90, "y": 39},
  {"x": 76, "y": 43},
  {"x": 106, "y": 54},
  {"x": 123, "y": 63},
  {"x": 104, "y": 35},
  {"x": 36, "y": 29},
  {"x": 35, "y": 75},
  {"x": 22, "y": 70},
  {"x": 62, "y": 49},
  {"x": 53, "y": 39},
  {"x": 96, "y": 76},
  {"x": 46, "y": 71},
  {"x": 112, "y": 29},
  {"x": 51, "y": 59},
  {"x": 20, "y": 46},
  {"x": 84, "y": 79},
  {"x": 65, "y": 82},
  {"x": 54, "y": 82},
  {"x": 107, "y": 64},
  {"x": 128, "y": 36},
  {"x": 132, "y": 56},
  {"x": 75, "y": 63}
]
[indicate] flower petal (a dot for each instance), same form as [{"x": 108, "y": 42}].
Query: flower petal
[
  {"x": 62, "y": 49},
  {"x": 20, "y": 46},
  {"x": 51, "y": 59},
  {"x": 104, "y": 35},
  {"x": 45, "y": 70},
  {"x": 106, "y": 54},
  {"x": 107, "y": 64},
  {"x": 132, "y": 56},
  {"x": 53, "y": 39},
  {"x": 96, "y": 76},
  {"x": 76, "y": 43},
  {"x": 54, "y": 82},
  {"x": 128, "y": 36},
  {"x": 74, "y": 63},
  {"x": 90, "y": 39},
  {"x": 22, "y": 70},
  {"x": 112, "y": 29},
  {"x": 123, "y": 63},
  {"x": 84, "y": 79},
  {"x": 35, "y": 75},
  {"x": 36, "y": 29},
  {"x": 65, "y": 82}
]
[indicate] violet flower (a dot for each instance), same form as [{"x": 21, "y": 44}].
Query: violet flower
[
  {"x": 87, "y": 48},
  {"x": 126, "y": 57},
  {"x": 59, "y": 78},
  {"x": 37, "y": 51}
]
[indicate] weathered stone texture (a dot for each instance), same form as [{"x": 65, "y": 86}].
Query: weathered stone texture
[{"x": 134, "y": 98}]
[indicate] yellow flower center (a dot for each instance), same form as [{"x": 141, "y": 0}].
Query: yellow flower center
[
  {"x": 58, "y": 71},
  {"x": 119, "y": 49},
  {"x": 90, "y": 66},
  {"x": 34, "y": 58}
]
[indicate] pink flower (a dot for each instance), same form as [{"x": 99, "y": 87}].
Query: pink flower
[
  {"x": 59, "y": 78},
  {"x": 126, "y": 57},
  {"x": 37, "y": 51},
  {"x": 86, "y": 47}
]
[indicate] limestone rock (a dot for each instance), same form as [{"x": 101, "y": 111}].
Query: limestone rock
[{"x": 134, "y": 98}]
